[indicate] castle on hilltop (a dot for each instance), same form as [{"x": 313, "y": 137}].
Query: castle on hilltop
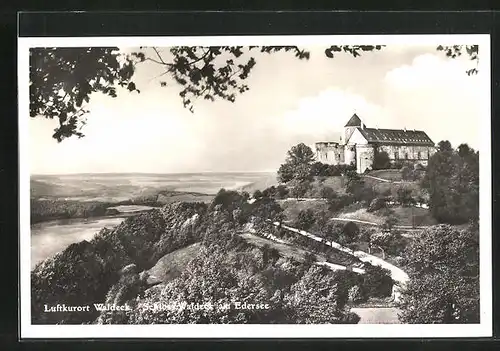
[{"x": 361, "y": 144}]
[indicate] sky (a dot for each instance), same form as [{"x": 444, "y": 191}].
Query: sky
[{"x": 290, "y": 101}]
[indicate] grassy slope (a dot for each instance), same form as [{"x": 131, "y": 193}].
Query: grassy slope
[
  {"x": 423, "y": 216},
  {"x": 170, "y": 266},
  {"x": 293, "y": 207},
  {"x": 285, "y": 250}
]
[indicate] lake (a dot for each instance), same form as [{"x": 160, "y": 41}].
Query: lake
[{"x": 48, "y": 238}]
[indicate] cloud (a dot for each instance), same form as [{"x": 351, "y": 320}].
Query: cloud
[
  {"x": 435, "y": 94},
  {"x": 431, "y": 70}
]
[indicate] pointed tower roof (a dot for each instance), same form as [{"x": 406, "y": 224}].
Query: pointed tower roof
[{"x": 355, "y": 121}]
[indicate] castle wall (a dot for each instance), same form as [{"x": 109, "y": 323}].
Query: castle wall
[
  {"x": 330, "y": 153},
  {"x": 349, "y": 154},
  {"x": 409, "y": 153},
  {"x": 364, "y": 157}
]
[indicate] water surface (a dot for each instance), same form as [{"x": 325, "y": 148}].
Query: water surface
[{"x": 48, "y": 238}]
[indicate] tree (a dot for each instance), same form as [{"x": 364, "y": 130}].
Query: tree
[
  {"x": 305, "y": 219},
  {"x": 315, "y": 298},
  {"x": 63, "y": 79},
  {"x": 404, "y": 196},
  {"x": 455, "y": 51},
  {"x": 328, "y": 193},
  {"x": 321, "y": 220},
  {"x": 377, "y": 204},
  {"x": 406, "y": 173},
  {"x": 300, "y": 188},
  {"x": 257, "y": 194},
  {"x": 377, "y": 281},
  {"x": 389, "y": 223},
  {"x": 389, "y": 242},
  {"x": 286, "y": 173},
  {"x": 381, "y": 160},
  {"x": 452, "y": 181},
  {"x": 443, "y": 267},
  {"x": 297, "y": 165},
  {"x": 351, "y": 232},
  {"x": 267, "y": 208},
  {"x": 281, "y": 191}
]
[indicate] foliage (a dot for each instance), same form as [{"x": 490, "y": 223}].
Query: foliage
[
  {"x": 315, "y": 298},
  {"x": 297, "y": 165},
  {"x": 320, "y": 169},
  {"x": 404, "y": 196},
  {"x": 357, "y": 187},
  {"x": 350, "y": 233},
  {"x": 44, "y": 210},
  {"x": 377, "y": 204},
  {"x": 233, "y": 203},
  {"x": 381, "y": 160},
  {"x": 389, "y": 223},
  {"x": 321, "y": 220},
  {"x": 300, "y": 188},
  {"x": 84, "y": 272},
  {"x": 355, "y": 294},
  {"x": 337, "y": 203},
  {"x": 391, "y": 242},
  {"x": 305, "y": 219},
  {"x": 328, "y": 193},
  {"x": 455, "y": 51},
  {"x": 257, "y": 194},
  {"x": 377, "y": 281},
  {"x": 397, "y": 164},
  {"x": 443, "y": 266},
  {"x": 277, "y": 192},
  {"x": 452, "y": 180},
  {"x": 266, "y": 208},
  {"x": 63, "y": 79}
]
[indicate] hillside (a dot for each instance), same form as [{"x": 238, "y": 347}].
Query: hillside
[
  {"x": 84, "y": 272},
  {"x": 185, "y": 249}
]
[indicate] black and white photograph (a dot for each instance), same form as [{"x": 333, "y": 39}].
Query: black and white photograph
[{"x": 307, "y": 186}]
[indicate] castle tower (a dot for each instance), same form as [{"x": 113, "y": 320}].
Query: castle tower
[{"x": 351, "y": 125}]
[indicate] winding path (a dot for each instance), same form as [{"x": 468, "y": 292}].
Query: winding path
[{"x": 398, "y": 275}]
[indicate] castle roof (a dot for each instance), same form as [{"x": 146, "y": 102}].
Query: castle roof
[
  {"x": 396, "y": 136},
  {"x": 354, "y": 121}
]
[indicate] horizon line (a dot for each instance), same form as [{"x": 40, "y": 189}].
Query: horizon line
[{"x": 148, "y": 173}]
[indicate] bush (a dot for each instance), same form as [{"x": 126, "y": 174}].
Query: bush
[
  {"x": 404, "y": 196},
  {"x": 406, "y": 173},
  {"x": 305, "y": 219},
  {"x": 300, "y": 188},
  {"x": 338, "y": 203},
  {"x": 397, "y": 165},
  {"x": 377, "y": 281},
  {"x": 281, "y": 192},
  {"x": 327, "y": 193},
  {"x": 381, "y": 160},
  {"x": 351, "y": 231},
  {"x": 376, "y": 204},
  {"x": 355, "y": 294}
]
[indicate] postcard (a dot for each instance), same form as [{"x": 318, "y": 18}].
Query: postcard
[{"x": 255, "y": 186}]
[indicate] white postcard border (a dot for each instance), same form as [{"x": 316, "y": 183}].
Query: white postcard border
[{"x": 484, "y": 329}]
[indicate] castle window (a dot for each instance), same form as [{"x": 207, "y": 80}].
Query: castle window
[
  {"x": 406, "y": 155},
  {"x": 396, "y": 155},
  {"x": 418, "y": 155}
]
